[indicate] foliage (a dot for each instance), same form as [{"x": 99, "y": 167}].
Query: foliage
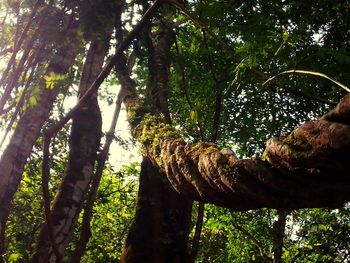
[
  {"x": 267, "y": 37},
  {"x": 26, "y": 217},
  {"x": 311, "y": 235},
  {"x": 113, "y": 214},
  {"x": 52, "y": 79},
  {"x": 319, "y": 235},
  {"x": 206, "y": 85}
]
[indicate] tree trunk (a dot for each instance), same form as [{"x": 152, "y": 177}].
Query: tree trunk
[
  {"x": 84, "y": 143},
  {"x": 278, "y": 228},
  {"x": 28, "y": 129},
  {"x": 127, "y": 95},
  {"x": 161, "y": 225},
  {"x": 162, "y": 221}
]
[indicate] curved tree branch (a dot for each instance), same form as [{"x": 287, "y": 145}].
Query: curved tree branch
[{"x": 308, "y": 168}]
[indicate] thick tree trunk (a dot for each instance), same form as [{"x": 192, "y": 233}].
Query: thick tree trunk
[
  {"x": 308, "y": 168},
  {"x": 162, "y": 221},
  {"x": 161, "y": 225},
  {"x": 28, "y": 129},
  {"x": 84, "y": 142}
]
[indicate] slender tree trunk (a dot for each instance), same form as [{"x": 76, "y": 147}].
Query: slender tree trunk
[
  {"x": 278, "y": 235},
  {"x": 84, "y": 142},
  {"x": 27, "y": 131},
  {"x": 85, "y": 232},
  {"x": 127, "y": 95}
]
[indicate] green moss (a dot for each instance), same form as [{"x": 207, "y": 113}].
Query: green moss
[
  {"x": 265, "y": 156},
  {"x": 152, "y": 132},
  {"x": 294, "y": 145},
  {"x": 298, "y": 146}
]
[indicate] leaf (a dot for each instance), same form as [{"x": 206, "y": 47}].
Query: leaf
[
  {"x": 15, "y": 257},
  {"x": 309, "y": 247},
  {"x": 33, "y": 101},
  {"x": 285, "y": 36},
  {"x": 52, "y": 79},
  {"x": 194, "y": 116}
]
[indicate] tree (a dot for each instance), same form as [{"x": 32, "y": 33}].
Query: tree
[
  {"x": 32, "y": 120},
  {"x": 192, "y": 54}
]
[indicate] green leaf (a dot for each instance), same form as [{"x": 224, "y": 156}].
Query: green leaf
[
  {"x": 32, "y": 101},
  {"x": 309, "y": 247},
  {"x": 52, "y": 79},
  {"x": 15, "y": 257},
  {"x": 194, "y": 116}
]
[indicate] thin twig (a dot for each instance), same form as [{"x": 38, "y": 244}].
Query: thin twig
[
  {"x": 197, "y": 232},
  {"x": 260, "y": 75},
  {"x": 218, "y": 94},
  {"x": 185, "y": 90},
  {"x": 16, "y": 48},
  {"x": 18, "y": 107},
  {"x": 255, "y": 241},
  {"x": 307, "y": 72}
]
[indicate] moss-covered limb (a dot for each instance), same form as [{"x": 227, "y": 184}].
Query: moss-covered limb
[
  {"x": 341, "y": 113},
  {"x": 320, "y": 144},
  {"x": 206, "y": 174},
  {"x": 308, "y": 168}
]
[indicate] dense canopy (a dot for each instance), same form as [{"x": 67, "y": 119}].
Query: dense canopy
[{"x": 239, "y": 104}]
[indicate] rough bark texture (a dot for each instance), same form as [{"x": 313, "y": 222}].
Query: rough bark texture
[
  {"x": 28, "y": 129},
  {"x": 85, "y": 231},
  {"x": 84, "y": 143},
  {"x": 161, "y": 225},
  {"x": 160, "y": 230},
  {"x": 159, "y": 44},
  {"x": 308, "y": 168}
]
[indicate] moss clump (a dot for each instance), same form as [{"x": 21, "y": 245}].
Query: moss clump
[
  {"x": 291, "y": 148},
  {"x": 298, "y": 146},
  {"x": 152, "y": 132}
]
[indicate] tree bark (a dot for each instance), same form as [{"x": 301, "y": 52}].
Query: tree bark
[
  {"x": 28, "y": 129},
  {"x": 85, "y": 232},
  {"x": 160, "y": 229},
  {"x": 84, "y": 142},
  {"x": 162, "y": 222},
  {"x": 308, "y": 168},
  {"x": 278, "y": 229}
]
